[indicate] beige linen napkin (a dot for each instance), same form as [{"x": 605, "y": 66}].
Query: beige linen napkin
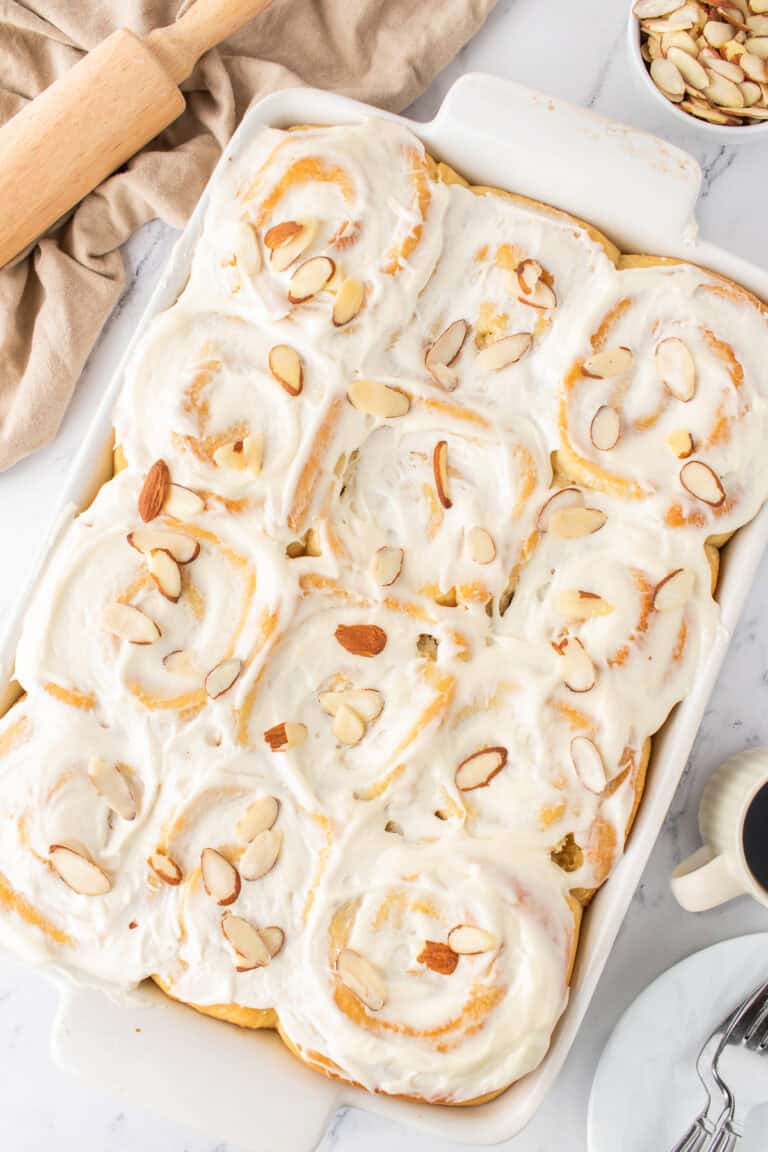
[{"x": 54, "y": 303}]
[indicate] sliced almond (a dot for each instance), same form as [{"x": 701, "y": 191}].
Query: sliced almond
[
  {"x": 349, "y": 300},
  {"x": 675, "y": 368},
  {"x": 249, "y": 945},
  {"x": 348, "y": 727},
  {"x": 682, "y": 40},
  {"x": 503, "y": 352},
  {"x": 290, "y": 240},
  {"x": 183, "y": 548},
  {"x": 165, "y": 573},
  {"x": 310, "y": 278},
  {"x": 261, "y": 855},
  {"x": 286, "y": 367},
  {"x": 681, "y": 443},
  {"x": 581, "y": 605},
  {"x": 289, "y": 734},
  {"x": 113, "y": 786},
  {"x": 440, "y": 470},
  {"x": 528, "y": 274},
  {"x": 717, "y": 33},
  {"x": 650, "y": 9},
  {"x": 154, "y": 490},
  {"x": 667, "y": 78},
  {"x": 758, "y": 46},
  {"x": 573, "y": 523},
  {"x": 253, "y": 452},
  {"x": 477, "y": 770},
  {"x": 691, "y": 70},
  {"x": 728, "y": 68},
  {"x": 674, "y": 591},
  {"x": 468, "y": 940},
  {"x": 361, "y": 639},
  {"x": 481, "y": 546},
  {"x": 608, "y": 363},
  {"x": 366, "y": 702},
  {"x": 725, "y": 93},
  {"x": 438, "y": 957},
  {"x": 378, "y": 399},
  {"x": 577, "y": 668},
  {"x": 221, "y": 678},
  {"x": 387, "y": 565},
  {"x": 588, "y": 764},
  {"x": 362, "y": 979},
  {"x": 231, "y": 455},
  {"x": 182, "y": 662},
  {"x": 243, "y": 248},
  {"x": 165, "y": 868},
  {"x": 274, "y": 938},
  {"x": 182, "y": 503},
  {"x": 258, "y": 817},
  {"x": 221, "y": 879},
  {"x": 78, "y": 872},
  {"x": 445, "y": 351},
  {"x": 543, "y": 297},
  {"x": 699, "y": 479},
  {"x": 131, "y": 624},
  {"x": 754, "y": 68},
  {"x": 605, "y": 429},
  {"x": 561, "y": 499}
]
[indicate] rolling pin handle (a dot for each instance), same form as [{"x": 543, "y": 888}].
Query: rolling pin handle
[{"x": 205, "y": 24}]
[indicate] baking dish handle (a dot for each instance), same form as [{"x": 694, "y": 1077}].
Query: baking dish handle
[
  {"x": 194, "y": 1070},
  {"x": 640, "y": 190}
]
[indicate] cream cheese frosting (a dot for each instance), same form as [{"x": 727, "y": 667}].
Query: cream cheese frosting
[{"x": 338, "y": 698}]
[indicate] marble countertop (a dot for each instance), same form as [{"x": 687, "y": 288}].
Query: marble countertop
[{"x": 577, "y": 52}]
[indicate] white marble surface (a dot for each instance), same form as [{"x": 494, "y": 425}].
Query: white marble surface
[{"x": 576, "y": 51}]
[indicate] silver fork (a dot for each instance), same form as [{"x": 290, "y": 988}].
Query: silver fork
[
  {"x": 750, "y": 1032},
  {"x": 711, "y": 1125}
]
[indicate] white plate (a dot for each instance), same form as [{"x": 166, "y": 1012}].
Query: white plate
[{"x": 646, "y": 1091}]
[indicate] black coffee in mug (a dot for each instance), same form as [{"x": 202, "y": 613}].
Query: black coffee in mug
[{"x": 755, "y": 837}]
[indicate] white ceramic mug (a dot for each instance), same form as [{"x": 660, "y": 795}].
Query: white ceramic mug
[{"x": 719, "y": 870}]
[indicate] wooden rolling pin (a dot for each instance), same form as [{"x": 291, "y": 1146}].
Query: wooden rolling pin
[{"x": 96, "y": 116}]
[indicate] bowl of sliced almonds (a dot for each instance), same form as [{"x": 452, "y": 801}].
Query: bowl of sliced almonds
[{"x": 705, "y": 61}]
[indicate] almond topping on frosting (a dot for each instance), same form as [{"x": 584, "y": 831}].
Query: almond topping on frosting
[
  {"x": 281, "y": 737},
  {"x": 79, "y": 872},
  {"x": 231, "y": 455},
  {"x": 182, "y": 503},
  {"x": 440, "y": 470},
  {"x": 680, "y": 443},
  {"x": 577, "y": 668},
  {"x": 504, "y": 351},
  {"x": 528, "y": 276},
  {"x": 165, "y": 573},
  {"x": 274, "y": 938},
  {"x": 563, "y": 498},
  {"x": 221, "y": 678},
  {"x": 183, "y": 548},
  {"x": 366, "y": 702},
  {"x": 573, "y": 523},
  {"x": 113, "y": 786},
  {"x": 542, "y": 297},
  {"x": 349, "y": 300},
  {"x": 376, "y": 399},
  {"x": 387, "y": 565},
  {"x": 246, "y": 940},
  {"x": 675, "y": 368},
  {"x": 165, "y": 868},
  {"x": 588, "y": 764},
  {"x": 477, "y": 770},
  {"x": 362, "y": 979},
  {"x": 182, "y": 662},
  {"x": 468, "y": 940},
  {"x": 310, "y": 278},
  {"x": 289, "y": 240},
  {"x": 221, "y": 879},
  {"x": 131, "y": 624},
  {"x": 674, "y": 590},
  {"x": 258, "y": 817},
  {"x": 286, "y": 367},
  {"x": 348, "y": 726},
  {"x": 608, "y": 363},
  {"x": 605, "y": 429},
  {"x": 699, "y": 479},
  {"x": 261, "y": 855},
  {"x": 481, "y": 546},
  {"x": 361, "y": 639},
  {"x": 581, "y": 605},
  {"x": 444, "y": 352},
  {"x": 154, "y": 490},
  {"x": 439, "y": 957}
]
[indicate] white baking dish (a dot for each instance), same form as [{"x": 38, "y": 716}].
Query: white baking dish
[{"x": 245, "y": 1087}]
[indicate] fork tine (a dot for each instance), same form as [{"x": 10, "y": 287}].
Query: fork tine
[
  {"x": 757, "y": 1025},
  {"x": 751, "y": 1017}
]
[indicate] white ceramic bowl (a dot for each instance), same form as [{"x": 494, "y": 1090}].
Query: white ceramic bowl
[{"x": 723, "y": 132}]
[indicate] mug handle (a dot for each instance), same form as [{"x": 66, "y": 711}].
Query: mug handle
[{"x": 703, "y": 881}]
